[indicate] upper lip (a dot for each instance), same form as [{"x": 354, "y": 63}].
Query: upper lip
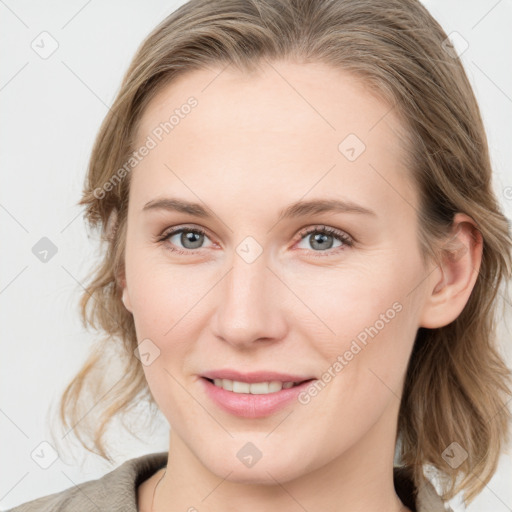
[{"x": 259, "y": 376}]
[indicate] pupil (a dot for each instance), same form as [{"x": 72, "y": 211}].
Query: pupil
[
  {"x": 320, "y": 238},
  {"x": 189, "y": 237}
]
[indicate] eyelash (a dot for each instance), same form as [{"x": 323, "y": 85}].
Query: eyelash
[{"x": 344, "y": 238}]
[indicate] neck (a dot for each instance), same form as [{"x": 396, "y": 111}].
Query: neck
[{"x": 357, "y": 480}]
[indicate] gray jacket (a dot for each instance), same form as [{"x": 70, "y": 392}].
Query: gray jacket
[{"x": 117, "y": 491}]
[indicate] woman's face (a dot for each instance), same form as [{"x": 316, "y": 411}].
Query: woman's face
[{"x": 264, "y": 292}]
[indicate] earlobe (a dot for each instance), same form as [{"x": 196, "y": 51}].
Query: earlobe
[
  {"x": 451, "y": 286},
  {"x": 125, "y": 296},
  {"x": 126, "y": 299}
]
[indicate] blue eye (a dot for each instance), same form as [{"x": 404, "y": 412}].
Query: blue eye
[
  {"x": 324, "y": 237},
  {"x": 192, "y": 239}
]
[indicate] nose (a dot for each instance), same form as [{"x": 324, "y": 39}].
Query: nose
[{"x": 250, "y": 307}]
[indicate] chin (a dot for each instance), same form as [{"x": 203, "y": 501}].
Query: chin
[{"x": 264, "y": 471}]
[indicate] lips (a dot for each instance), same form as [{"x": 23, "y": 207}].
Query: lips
[
  {"x": 250, "y": 406},
  {"x": 257, "y": 376}
]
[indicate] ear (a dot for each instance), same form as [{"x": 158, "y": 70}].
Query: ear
[
  {"x": 452, "y": 282},
  {"x": 111, "y": 226},
  {"x": 110, "y": 231},
  {"x": 125, "y": 297}
]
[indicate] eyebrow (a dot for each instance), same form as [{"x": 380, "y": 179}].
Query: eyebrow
[{"x": 297, "y": 209}]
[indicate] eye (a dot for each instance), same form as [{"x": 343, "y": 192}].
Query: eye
[
  {"x": 189, "y": 238},
  {"x": 322, "y": 238}
]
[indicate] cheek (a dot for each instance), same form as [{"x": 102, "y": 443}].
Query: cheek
[
  {"x": 373, "y": 323},
  {"x": 370, "y": 354},
  {"x": 160, "y": 292},
  {"x": 347, "y": 301}
]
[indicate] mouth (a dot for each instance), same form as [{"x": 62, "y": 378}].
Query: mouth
[
  {"x": 254, "y": 388},
  {"x": 255, "y": 399}
]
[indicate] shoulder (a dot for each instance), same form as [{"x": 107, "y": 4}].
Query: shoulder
[{"x": 116, "y": 490}]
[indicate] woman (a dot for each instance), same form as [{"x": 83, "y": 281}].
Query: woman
[{"x": 304, "y": 254}]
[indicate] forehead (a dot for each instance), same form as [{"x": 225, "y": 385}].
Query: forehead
[
  {"x": 298, "y": 126},
  {"x": 322, "y": 97}
]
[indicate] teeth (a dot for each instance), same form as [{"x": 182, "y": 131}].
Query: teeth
[{"x": 256, "y": 388}]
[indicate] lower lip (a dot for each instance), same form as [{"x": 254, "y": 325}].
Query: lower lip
[{"x": 247, "y": 405}]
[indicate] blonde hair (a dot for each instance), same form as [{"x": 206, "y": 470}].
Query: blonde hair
[{"x": 457, "y": 384}]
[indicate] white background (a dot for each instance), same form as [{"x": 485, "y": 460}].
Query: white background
[{"x": 51, "y": 111}]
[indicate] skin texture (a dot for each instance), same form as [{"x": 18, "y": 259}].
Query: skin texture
[{"x": 254, "y": 144}]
